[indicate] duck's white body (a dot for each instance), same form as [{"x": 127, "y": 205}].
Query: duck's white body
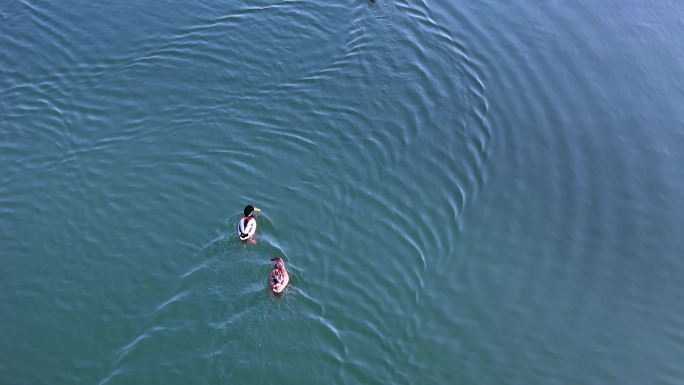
[
  {"x": 278, "y": 278},
  {"x": 246, "y": 228}
]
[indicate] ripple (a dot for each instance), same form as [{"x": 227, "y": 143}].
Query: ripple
[{"x": 440, "y": 178}]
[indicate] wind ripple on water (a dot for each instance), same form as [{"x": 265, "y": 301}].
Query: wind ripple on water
[{"x": 407, "y": 122}]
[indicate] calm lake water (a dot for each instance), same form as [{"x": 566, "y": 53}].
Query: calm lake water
[{"x": 465, "y": 192}]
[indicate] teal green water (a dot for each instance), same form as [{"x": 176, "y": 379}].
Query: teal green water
[{"x": 464, "y": 192}]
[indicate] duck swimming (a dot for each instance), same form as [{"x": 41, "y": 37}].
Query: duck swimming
[
  {"x": 278, "y": 278},
  {"x": 247, "y": 225}
]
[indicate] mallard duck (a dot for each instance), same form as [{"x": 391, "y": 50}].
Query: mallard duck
[
  {"x": 278, "y": 278},
  {"x": 247, "y": 225}
]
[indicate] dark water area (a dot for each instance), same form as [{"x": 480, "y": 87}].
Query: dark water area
[{"x": 463, "y": 192}]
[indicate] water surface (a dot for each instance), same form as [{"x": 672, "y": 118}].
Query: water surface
[{"x": 464, "y": 192}]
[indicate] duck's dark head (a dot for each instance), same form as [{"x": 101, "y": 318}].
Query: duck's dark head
[{"x": 250, "y": 210}]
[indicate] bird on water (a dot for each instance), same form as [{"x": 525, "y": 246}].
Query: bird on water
[
  {"x": 246, "y": 228},
  {"x": 278, "y": 278}
]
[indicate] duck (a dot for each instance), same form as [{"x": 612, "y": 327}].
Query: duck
[
  {"x": 278, "y": 278},
  {"x": 248, "y": 224}
]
